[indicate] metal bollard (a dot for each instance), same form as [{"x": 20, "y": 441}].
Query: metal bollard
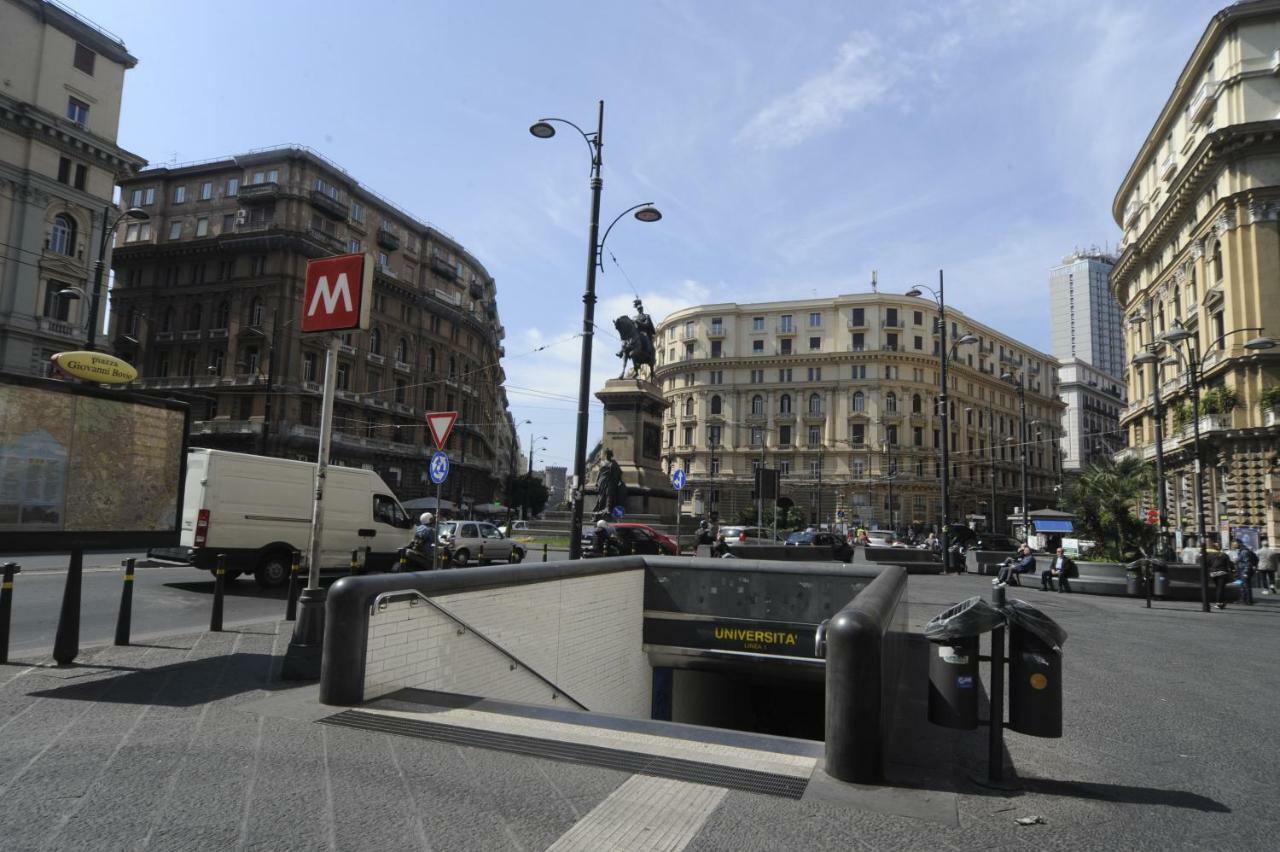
[
  {"x": 219, "y": 587},
  {"x": 355, "y": 561},
  {"x": 295, "y": 571},
  {"x": 544, "y": 551},
  {"x": 125, "y": 618},
  {"x": 6, "y": 606}
]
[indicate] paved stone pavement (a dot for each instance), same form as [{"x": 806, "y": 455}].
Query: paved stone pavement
[{"x": 1168, "y": 744}]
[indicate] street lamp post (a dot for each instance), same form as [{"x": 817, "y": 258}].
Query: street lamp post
[
  {"x": 944, "y": 355},
  {"x": 1157, "y": 412},
  {"x": 1191, "y": 361},
  {"x": 1018, "y": 380},
  {"x": 543, "y": 129},
  {"x": 99, "y": 268}
]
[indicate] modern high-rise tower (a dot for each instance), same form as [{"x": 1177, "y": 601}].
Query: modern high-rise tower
[{"x": 1086, "y": 318}]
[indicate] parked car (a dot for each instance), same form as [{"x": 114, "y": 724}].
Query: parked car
[
  {"x": 516, "y": 526},
  {"x": 634, "y": 538},
  {"x": 840, "y": 549},
  {"x": 881, "y": 538},
  {"x": 750, "y": 535},
  {"x": 479, "y": 541}
]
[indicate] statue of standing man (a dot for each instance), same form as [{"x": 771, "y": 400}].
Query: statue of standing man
[{"x": 610, "y": 489}]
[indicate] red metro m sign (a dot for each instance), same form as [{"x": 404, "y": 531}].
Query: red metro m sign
[{"x": 338, "y": 293}]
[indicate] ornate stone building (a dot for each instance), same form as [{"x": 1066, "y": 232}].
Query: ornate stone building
[
  {"x": 839, "y": 394},
  {"x": 1201, "y": 253},
  {"x": 206, "y": 306},
  {"x": 61, "y": 79}
]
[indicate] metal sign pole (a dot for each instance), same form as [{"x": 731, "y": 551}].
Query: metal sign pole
[
  {"x": 435, "y": 545},
  {"x": 679, "y": 501}
]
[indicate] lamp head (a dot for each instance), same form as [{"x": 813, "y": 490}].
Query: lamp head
[
  {"x": 1176, "y": 334},
  {"x": 1146, "y": 358},
  {"x": 542, "y": 129},
  {"x": 967, "y": 338},
  {"x": 914, "y": 291},
  {"x": 137, "y": 213},
  {"x": 71, "y": 292},
  {"x": 1006, "y": 377},
  {"x": 1169, "y": 361},
  {"x": 1137, "y": 319},
  {"x": 1259, "y": 343},
  {"x": 648, "y": 213}
]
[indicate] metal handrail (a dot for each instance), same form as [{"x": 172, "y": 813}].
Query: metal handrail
[{"x": 381, "y": 600}]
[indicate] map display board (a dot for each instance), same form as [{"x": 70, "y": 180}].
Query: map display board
[{"x": 81, "y": 466}]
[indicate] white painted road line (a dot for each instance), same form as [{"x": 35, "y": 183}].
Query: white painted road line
[{"x": 645, "y": 814}]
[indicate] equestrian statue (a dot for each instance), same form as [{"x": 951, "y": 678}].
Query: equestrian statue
[{"x": 637, "y": 342}]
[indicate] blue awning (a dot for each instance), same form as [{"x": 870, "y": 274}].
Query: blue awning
[{"x": 1053, "y": 526}]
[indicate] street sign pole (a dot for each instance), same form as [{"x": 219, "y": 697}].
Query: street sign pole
[
  {"x": 322, "y": 462},
  {"x": 435, "y": 545}
]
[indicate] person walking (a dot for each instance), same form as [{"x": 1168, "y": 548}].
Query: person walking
[
  {"x": 1059, "y": 569},
  {"x": 1246, "y": 569},
  {"x": 1220, "y": 571},
  {"x": 1268, "y": 561}
]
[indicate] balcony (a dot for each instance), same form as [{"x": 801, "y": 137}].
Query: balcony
[
  {"x": 329, "y": 241},
  {"x": 716, "y": 330},
  {"x": 388, "y": 239},
  {"x": 386, "y": 272},
  {"x": 1213, "y": 295},
  {"x": 1203, "y": 101},
  {"x": 329, "y": 206},
  {"x": 441, "y": 266},
  {"x": 857, "y": 347},
  {"x": 312, "y": 387},
  {"x": 164, "y": 336},
  {"x": 888, "y": 323},
  {"x": 475, "y": 290},
  {"x": 256, "y": 193},
  {"x": 1132, "y": 211},
  {"x": 218, "y": 334},
  {"x": 347, "y": 396},
  {"x": 192, "y": 334},
  {"x": 401, "y": 366},
  {"x": 226, "y": 427},
  {"x": 346, "y": 349},
  {"x": 785, "y": 328},
  {"x": 856, "y": 323},
  {"x": 1168, "y": 166},
  {"x": 59, "y": 328},
  {"x": 375, "y": 359}
]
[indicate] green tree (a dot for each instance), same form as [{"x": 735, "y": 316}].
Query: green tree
[
  {"x": 1106, "y": 498},
  {"x": 527, "y": 491},
  {"x": 788, "y": 518}
]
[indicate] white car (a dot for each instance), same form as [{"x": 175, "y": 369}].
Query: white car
[
  {"x": 477, "y": 541},
  {"x": 516, "y": 526}
]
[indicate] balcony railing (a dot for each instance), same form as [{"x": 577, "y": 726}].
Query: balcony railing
[
  {"x": 785, "y": 328},
  {"x": 1202, "y": 102},
  {"x": 251, "y": 193},
  {"x": 388, "y": 239},
  {"x": 331, "y": 207},
  {"x": 1168, "y": 166},
  {"x": 375, "y": 359},
  {"x": 402, "y": 366},
  {"x": 226, "y": 427},
  {"x": 329, "y": 241},
  {"x": 58, "y": 327},
  {"x": 716, "y": 330}
]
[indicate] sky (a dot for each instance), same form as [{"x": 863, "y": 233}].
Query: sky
[{"x": 791, "y": 147}]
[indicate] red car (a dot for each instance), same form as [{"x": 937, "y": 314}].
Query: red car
[{"x": 642, "y": 538}]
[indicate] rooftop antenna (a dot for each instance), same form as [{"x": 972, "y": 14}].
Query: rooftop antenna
[{"x": 875, "y": 288}]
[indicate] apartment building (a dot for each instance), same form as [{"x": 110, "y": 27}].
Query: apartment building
[
  {"x": 1094, "y": 400},
  {"x": 206, "y": 304},
  {"x": 840, "y": 394},
  {"x": 61, "y": 80},
  {"x": 1200, "y": 260}
]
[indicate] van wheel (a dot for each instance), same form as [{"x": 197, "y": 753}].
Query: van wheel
[
  {"x": 460, "y": 558},
  {"x": 517, "y": 556},
  {"x": 273, "y": 571}
]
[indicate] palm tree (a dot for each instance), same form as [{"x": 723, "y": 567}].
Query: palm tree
[{"x": 1106, "y": 498}]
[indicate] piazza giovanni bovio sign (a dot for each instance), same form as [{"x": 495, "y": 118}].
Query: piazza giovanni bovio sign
[{"x": 96, "y": 367}]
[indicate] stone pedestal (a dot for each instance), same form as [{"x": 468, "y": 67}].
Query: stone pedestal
[{"x": 633, "y": 430}]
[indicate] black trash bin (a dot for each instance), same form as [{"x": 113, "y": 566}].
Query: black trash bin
[
  {"x": 1161, "y": 588},
  {"x": 1133, "y": 583},
  {"x": 1035, "y": 685},
  {"x": 953, "y": 661}
]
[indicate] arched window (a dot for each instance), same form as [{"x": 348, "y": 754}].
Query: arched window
[
  {"x": 784, "y": 404},
  {"x": 891, "y": 402},
  {"x": 402, "y": 351},
  {"x": 688, "y": 407},
  {"x": 717, "y": 407},
  {"x": 375, "y": 342},
  {"x": 431, "y": 360},
  {"x": 255, "y": 313},
  {"x": 1217, "y": 261},
  {"x": 1191, "y": 284},
  {"x": 194, "y": 315},
  {"x": 222, "y": 317},
  {"x": 63, "y": 238},
  {"x": 815, "y": 403},
  {"x": 859, "y": 401},
  {"x": 453, "y": 367},
  {"x": 166, "y": 319},
  {"x": 757, "y": 404},
  {"x": 916, "y": 405}
]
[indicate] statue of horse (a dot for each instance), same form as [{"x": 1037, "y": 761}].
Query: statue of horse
[{"x": 637, "y": 347}]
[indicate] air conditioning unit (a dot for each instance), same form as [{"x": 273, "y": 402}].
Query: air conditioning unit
[{"x": 242, "y": 216}]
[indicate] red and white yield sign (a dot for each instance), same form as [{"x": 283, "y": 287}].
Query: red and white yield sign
[
  {"x": 441, "y": 424},
  {"x": 338, "y": 293}
]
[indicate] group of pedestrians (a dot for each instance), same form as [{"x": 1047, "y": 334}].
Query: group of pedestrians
[{"x": 1240, "y": 566}]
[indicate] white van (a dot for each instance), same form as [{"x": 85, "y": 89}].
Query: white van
[{"x": 257, "y": 510}]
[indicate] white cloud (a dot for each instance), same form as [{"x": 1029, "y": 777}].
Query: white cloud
[{"x": 858, "y": 79}]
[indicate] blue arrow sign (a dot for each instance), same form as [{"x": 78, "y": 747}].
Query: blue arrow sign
[
  {"x": 677, "y": 480},
  {"x": 439, "y": 468}
]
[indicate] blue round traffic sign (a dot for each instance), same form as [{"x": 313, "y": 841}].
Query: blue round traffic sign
[
  {"x": 677, "y": 480},
  {"x": 618, "y": 511},
  {"x": 439, "y": 468}
]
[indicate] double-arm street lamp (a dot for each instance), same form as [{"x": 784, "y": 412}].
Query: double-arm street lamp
[
  {"x": 99, "y": 268},
  {"x": 544, "y": 129},
  {"x": 991, "y": 440},
  {"x": 1016, "y": 378},
  {"x": 944, "y": 355},
  {"x": 1191, "y": 361}
]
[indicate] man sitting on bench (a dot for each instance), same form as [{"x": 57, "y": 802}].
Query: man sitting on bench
[
  {"x": 1061, "y": 570},
  {"x": 1025, "y": 563}
]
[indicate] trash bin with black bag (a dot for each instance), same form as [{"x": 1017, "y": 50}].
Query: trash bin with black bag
[{"x": 953, "y": 661}]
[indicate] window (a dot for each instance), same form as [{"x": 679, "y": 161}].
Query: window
[
  {"x": 688, "y": 407},
  {"x": 859, "y": 401},
  {"x": 784, "y": 436},
  {"x": 815, "y": 374},
  {"x": 815, "y": 403},
  {"x": 918, "y": 342},
  {"x": 815, "y": 344},
  {"x": 202, "y": 226},
  {"x": 713, "y": 436},
  {"x": 757, "y": 323},
  {"x": 917, "y": 406},
  {"x": 258, "y": 264},
  {"x": 891, "y": 342},
  {"x": 717, "y": 405},
  {"x": 137, "y": 231},
  {"x": 784, "y": 465},
  {"x": 917, "y": 318},
  {"x": 251, "y": 360},
  {"x": 217, "y": 362},
  {"x": 716, "y": 349},
  {"x": 325, "y": 188},
  {"x": 82, "y": 175},
  {"x": 857, "y": 316},
  {"x": 179, "y": 194},
  {"x": 859, "y": 371},
  {"x": 62, "y": 239},
  {"x": 64, "y": 170},
  {"x": 206, "y": 190},
  {"x": 891, "y": 317},
  {"x": 917, "y": 436},
  {"x": 357, "y": 212},
  {"x": 688, "y": 436},
  {"x": 136, "y": 197},
  {"x": 757, "y": 436},
  {"x": 757, "y": 377},
  {"x": 344, "y": 376},
  {"x": 383, "y": 262},
  {"x": 757, "y": 404},
  {"x": 309, "y": 367},
  {"x": 784, "y": 323},
  {"x": 784, "y": 375},
  {"x": 891, "y": 435},
  {"x": 375, "y": 342},
  {"x": 857, "y": 434},
  {"x": 891, "y": 402},
  {"x": 233, "y": 186},
  {"x": 858, "y": 468},
  {"x": 78, "y": 112},
  {"x": 175, "y": 230},
  {"x": 355, "y": 247},
  {"x": 1217, "y": 261},
  {"x": 716, "y": 377},
  {"x": 84, "y": 58},
  {"x": 815, "y": 320},
  {"x": 255, "y": 313},
  {"x": 859, "y": 342},
  {"x": 786, "y": 347},
  {"x": 402, "y": 351},
  {"x": 56, "y": 307},
  {"x": 757, "y": 347},
  {"x": 717, "y": 325},
  {"x": 815, "y": 436},
  {"x": 266, "y": 176},
  {"x": 784, "y": 404},
  {"x": 194, "y": 315}
]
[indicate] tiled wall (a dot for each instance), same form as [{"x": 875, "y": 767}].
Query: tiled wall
[{"x": 583, "y": 634}]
